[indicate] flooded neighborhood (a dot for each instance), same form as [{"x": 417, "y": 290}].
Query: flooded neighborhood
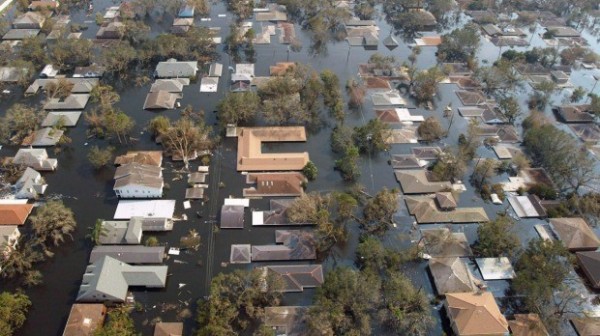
[{"x": 299, "y": 167}]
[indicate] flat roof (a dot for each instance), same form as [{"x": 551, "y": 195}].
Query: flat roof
[
  {"x": 495, "y": 268},
  {"x": 151, "y": 208}
]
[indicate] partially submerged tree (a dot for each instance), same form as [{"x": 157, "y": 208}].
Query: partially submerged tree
[
  {"x": 348, "y": 164},
  {"x": 379, "y": 211},
  {"x": 101, "y": 157},
  {"x": 13, "y": 311},
  {"x": 460, "y": 45},
  {"x": 425, "y": 83},
  {"x": 119, "y": 322},
  {"x": 510, "y": 109},
  {"x": 52, "y": 223},
  {"x": 372, "y": 137},
  {"x": 496, "y": 238},
  {"x": 186, "y": 139},
  {"x": 430, "y": 130},
  {"x": 18, "y": 123},
  {"x": 237, "y": 108}
]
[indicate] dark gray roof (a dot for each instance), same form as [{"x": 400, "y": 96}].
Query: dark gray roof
[
  {"x": 137, "y": 254},
  {"x": 121, "y": 232},
  {"x": 291, "y": 245},
  {"x": 240, "y": 254},
  {"x": 194, "y": 193},
  {"x": 298, "y": 277},
  {"x": 232, "y": 217}
]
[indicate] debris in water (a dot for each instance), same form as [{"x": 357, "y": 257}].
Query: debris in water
[{"x": 181, "y": 285}]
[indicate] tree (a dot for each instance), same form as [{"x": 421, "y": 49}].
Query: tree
[
  {"x": 405, "y": 309},
  {"x": 118, "y": 58},
  {"x": 348, "y": 164},
  {"x": 338, "y": 310},
  {"x": 186, "y": 138},
  {"x": 236, "y": 301},
  {"x": 379, "y": 211},
  {"x": 59, "y": 89},
  {"x": 97, "y": 231},
  {"x": 510, "y": 109},
  {"x": 332, "y": 96},
  {"x": 20, "y": 121},
  {"x": 484, "y": 170},
  {"x": 357, "y": 93},
  {"x": 21, "y": 260},
  {"x": 310, "y": 170},
  {"x": 159, "y": 125},
  {"x": 117, "y": 123},
  {"x": 430, "y": 130},
  {"x": 577, "y": 95},
  {"x": 119, "y": 323},
  {"x": 100, "y": 157},
  {"x": 425, "y": 83},
  {"x": 372, "y": 256},
  {"x": 52, "y": 222},
  {"x": 380, "y": 62},
  {"x": 13, "y": 311},
  {"x": 459, "y": 45},
  {"x": 450, "y": 164},
  {"x": 372, "y": 137},
  {"x": 32, "y": 50},
  {"x": 237, "y": 108},
  {"x": 68, "y": 53},
  {"x": 285, "y": 109},
  {"x": 544, "y": 90},
  {"x": 341, "y": 139},
  {"x": 496, "y": 238}
]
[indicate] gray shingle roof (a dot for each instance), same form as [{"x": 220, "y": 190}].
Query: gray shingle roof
[
  {"x": 137, "y": 254},
  {"x": 66, "y": 118}
]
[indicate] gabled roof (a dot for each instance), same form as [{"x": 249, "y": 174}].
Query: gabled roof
[
  {"x": 406, "y": 161},
  {"x": 426, "y": 212},
  {"x": 168, "y": 85},
  {"x": 575, "y": 233},
  {"x": 173, "y": 69},
  {"x": 36, "y": 158},
  {"x": 417, "y": 182},
  {"x": 291, "y": 245},
  {"x": 108, "y": 279},
  {"x": 232, "y": 217},
  {"x": 445, "y": 200},
  {"x": 43, "y": 137},
  {"x": 147, "y": 158},
  {"x": 275, "y": 184},
  {"x": 131, "y": 254},
  {"x": 443, "y": 243},
  {"x": 65, "y": 118},
  {"x": 121, "y": 232},
  {"x": 14, "y": 214},
  {"x": 426, "y": 153},
  {"x": 84, "y": 319},
  {"x": 20, "y": 34},
  {"x": 527, "y": 325},
  {"x": 476, "y": 314},
  {"x": 72, "y": 102},
  {"x": 160, "y": 100},
  {"x": 168, "y": 329},
  {"x": 451, "y": 275},
  {"x": 587, "y": 326},
  {"x": 298, "y": 277},
  {"x": 590, "y": 264},
  {"x": 33, "y": 19}
]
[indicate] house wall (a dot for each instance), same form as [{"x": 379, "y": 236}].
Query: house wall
[{"x": 136, "y": 191}]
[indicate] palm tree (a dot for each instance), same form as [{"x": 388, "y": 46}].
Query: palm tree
[{"x": 96, "y": 231}]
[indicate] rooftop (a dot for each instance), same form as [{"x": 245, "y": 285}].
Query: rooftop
[
  {"x": 575, "y": 233},
  {"x": 417, "y": 182},
  {"x": 476, "y": 314},
  {"x": 251, "y": 158},
  {"x": 14, "y": 214},
  {"x": 451, "y": 275},
  {"x": 426, "y": 211},
  {"x": 84, "y": 319}
]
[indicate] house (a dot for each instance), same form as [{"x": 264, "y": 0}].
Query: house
[
  {"x": 445, "y": 201},
  {"x": 281, "y": 68},
  {"x": 232, "y": 217},
  {"x": 527, "y": 206},
  {"x": 71, "y": 102},
  {"x": 426, "y": 153},
  {"x": 240, "y": 254},
  {"x": 287, "y": 320},
  {"x": 417, "y": 182},
  {"x": 35, "y": 158},
  {"x": 426, "y": 211},
  {"x": 560, "y": 77},
  {"x": 136, "y": 180},
  {"x": 250, "y": 143},
  {"x": 495, "y": 268},
  {"x": 29, "y": 20},
  {"x": 429, "y": 41},
  {"x": 121, "y": 233},
  {"x": 160, "y": 100},
  {"x": 79, "y": 85},
  {"x": 62, "y": 118},
  {"x": 366, "y": 36},
  {"x": 173, "y": 68},
  {"x": 209, "y": 84},
  {"x": 475, "y": 314},
  {"x": 273, "y": 13},
  {"x": 291, "y": 245},
  {"x": 574, "y": 114},
  {"x": 215, "y": 70},
  {"x": 20, "y": 34},
  {"x": 112, "y": 31},
  {"x": 44, "y": 137},
  {"x": 502, "y": 133},
  {"x": 586, "y": 326},
  {"x": 442, "y": 243},
  {"x": 589, "y": 262},
  {"x": 49, "y": 71},
  {"x": 390, "y": 98},
  {"x": 397, "y": 115},
  {"x": 589, "y": 133},
  {"x": 275, "y": 184},
  {"x": 186, "y": 11},
  {"x": 126, "y": 209},
  {"x": 277, "y": 215},
  {"x": 147, "y": 158},
  {"x": 183, "y": 22},
  {"x": 131, "y": 254},
  {"x": 390, "y": 42},
  {"x": 297, "y": 277},
  {"x": 575, "y": 234},
  {"x": 562, "y": 31},
  {"x": 168, "y": 329},
  {"x": 527, "y": 325},
  {"x": 9, "y": 238},
  {"x": 452, "y": 275},
  {"x": 92, "y": 71},
  {"x": 14, "y": 214},
  {"x": 12, "y": 74},
  {"x": 41, "y": 5},
  {"x": 108, "y": 280},
  {"x": 195, "y": 192},
  {"x": 172, "y": 85},
  {"x": 407, "y": 161},
  {"x": 30, "y": 185},
  {"x": 471, "y": 98},
  {"x": 84, "y": 319}
]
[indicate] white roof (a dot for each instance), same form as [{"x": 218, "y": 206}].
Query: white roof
[
  {"x": 151, "y": 208},
  {"x": 495, "y": 268},
  {"x": 209, "y": 84},
  {"x": 404, "y": 115},
  {"x": 237, "y": 201},
  {"x": 523, "y": 206},
  {"x": 258, "y": 218}
]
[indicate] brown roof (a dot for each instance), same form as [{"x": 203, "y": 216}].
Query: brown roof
[
  {"x": 443, "y": 243},
  {"x": 431, "y": 40},
  {"x": 168, "y": 329},
  {"x": 377, "y": 83},
  {"x": 388, "y": 115},
  {"x": 587, "y": 132},
  {"x": 426, "y": 212},
  {"x": 445, "y": 200},
  {"x": 575, "y": 114},
  {"x": 280, "y": 68},
  {"x": 475, "y": 314},
  {"x": 575, "y": 233},
  {"x": 275, "y": 184},
  {"x": 291, "y": 245},
  {"x": 152, "y": 158},
  {"x": 417, "y": 182},
  {"x": 298, "y": 277},
  {"x": 527, "y": 325},
  {"x": 469, "y": 98},
  {"x": 84, "y": 319},
  {"x": 289, "y": 320},
  {"x": 451, "y": 275},
  {"x": 14, "y": 214},
  {"x": 405, "y": 161},
  {"x": 587, "y": 326},
  {"x": 589, "y": 262},
  {"x": 232, "y": 217},
  {"x": 251, "y": 158}
]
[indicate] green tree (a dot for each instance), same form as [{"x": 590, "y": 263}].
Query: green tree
[
  {"x": 372, "y": 137},
  {"x": 99, "y": 157},
  {"x": 425, "y": 83},
  {"x": 19, "y": 122},
  {"x": 119, "y": 323},
  {"x": 52, "y": 222},
  {"x": 186, "y": 138},
  {"x": 483, "y": 171},
  {"x": 459, "y": 45},
  {"x": 97, "y": 231},
  {"x": 13, "y": 311},
  {"x": 430, "y": 130},
  {"x": 577, "y": 94},
  {"x": 372, "y": 256},
  {"x": 159, "y": 125},
  {"x": 118, "y": 58},
  {"x": 117, "y": 123},
  {"x": 510, "y": 109},
  {"x": 32, "y": 50},
  {"x": 450, "y": 164},
  {"x": 310, "y": 170},
  {"x": 21, "y": 260},
  {"x": 379, "y": 211},
  {"x": 338, "y": 310},
  {"x": 237, "y": 108},
  {"x": 348, "y": 164},
  {"x": 341, "y": 139},
  {"x": 68, "y": 53},
  {"x": 496, "y": 238}
]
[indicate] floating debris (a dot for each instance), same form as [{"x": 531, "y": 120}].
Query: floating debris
[
  {"x": 181, "y": 285},
  {"x": 174, "y": 251}
]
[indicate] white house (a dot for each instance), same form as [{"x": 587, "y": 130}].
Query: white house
[
  {"x": 30, "y": 185},
  {"x": 9, "y": 237},
  {"x": 138, "y": 181}
]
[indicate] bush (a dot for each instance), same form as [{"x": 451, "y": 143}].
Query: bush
[
  {"x": 543, "y": 191},
  {"x": 497, "y": 189},
  {"x": 100, "y": 157},
  {"x": 152, "y": 241},
  {"x": 310, "y": 171}
]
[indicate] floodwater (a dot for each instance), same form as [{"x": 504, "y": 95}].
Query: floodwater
[{"x": 89, "y": 193}]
